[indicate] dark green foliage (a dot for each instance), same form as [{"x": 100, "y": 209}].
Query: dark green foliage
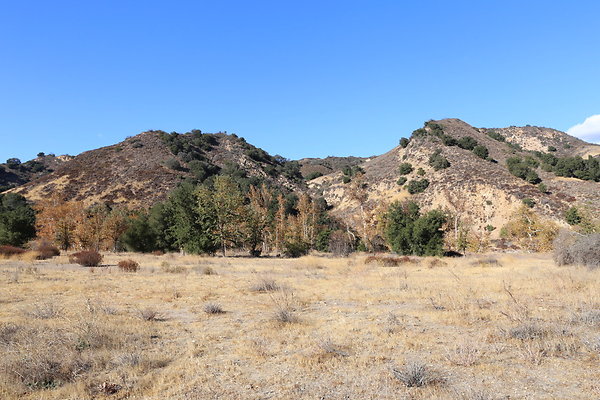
[
  {"x": 435, "y": 129},
  {"x": 140, "y": 235},
  {"x": 542, "y": 188},
  {"x": 346, "y": 179},
  {"x": 567, "y": 146},
  {"x": 521, "y": 168},
  {"x": 448, "y": 140},
  {"x": 13, "y": 163},
  {"x": 514, "y": 146},
  {"x": 481, "y": 151},
  {"x": 417, "y": 186},
  {"x": 467, "y": 143},
  {"x": 173, "y": 164},
  {"x": 572, "y": 216},
  {"x": 408, "y": 232},
  {"x": 421, "y": 172},
  {"x": 490, "y": 228},
  {"x": 291, "y": 170},
  {"x": 201, "y": 170},
  {"x": 496, "y": 136},
  {"x": 313, "y": 175},
  {"x": 322, "y": 240},
  {"x": 17, "y": 220},
  {"x": 419, "y": 132},
  {"x": 350, "y": 172},
  {"x": 405, "y": 168},
  {"x": 401, "y": 181},
  {"x": 295, "y": 249},
  {"x": 577, "y": 167},
  {"x": 529, "y": 202},
  {"x": 437, "y": 161},
  {"x": 404, "y": 142},
  {"x": 551, "y": 148},
  {"x": 41, "y": 154},
  {"x": 546, "y": 158}
]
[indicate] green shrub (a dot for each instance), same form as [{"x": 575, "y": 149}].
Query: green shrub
[
  {"x": 421, "y": 172},
  {"x": 408, "y": 232},
  {"x": 542, "y": 188},
  {"x": 496, "y": 136},
  {"x": 404, "y": 142},
  {"x": 572, "y": 216},
  {"x": 401, "y": 181},
  {"x": 313, "y": 175},
  {"x": 551, "y": 148},
  {"x": 437, "y": 161},
  {"x": 467, "y": 143},
  {"x": 529, "y": 202},
  {"x": 405, "y": 168},
  {"x": 448, "y": 140},
  {"x": 417, "y": 186},
  {"x": 481, "y": 151}
]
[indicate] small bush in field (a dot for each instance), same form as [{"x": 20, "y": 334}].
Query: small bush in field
[
  {"x": 87, "y": 258},
  {"x": 129, "y": 265},
  {"x": 44, "y": 249},
  {"x": 8, "y": 251},
  {"x": 418, "y": 374},
  {"x": 213, "y": 308}
]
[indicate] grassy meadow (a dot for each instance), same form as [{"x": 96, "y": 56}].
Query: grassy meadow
[{"x": 498, "y": 326}]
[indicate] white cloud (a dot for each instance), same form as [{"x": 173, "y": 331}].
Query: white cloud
[{"x": 588, "y": 130}]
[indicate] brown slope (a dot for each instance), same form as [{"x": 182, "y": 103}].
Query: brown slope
[
  {"x": 139, "y": 171},
  {"x": 488, "y": 192}
]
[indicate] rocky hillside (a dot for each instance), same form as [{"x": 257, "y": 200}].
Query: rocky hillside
[
  {"x": 13, "y": 173},
  {"x": 314, "y": 167},
  {"x": 143, "y": 169},
  {"x": 473, "y": 181}
]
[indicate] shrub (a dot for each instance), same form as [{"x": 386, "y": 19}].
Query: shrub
[
  {"x": 417, "y": 374},
  {"x": 173, "y": 163},
  {"x": 421, "y": 172},
  {"x": 529, "y": 230},
  {"x": 496, "y": 136},
  {"x": 45, "y": 249},
  {"x": 543, "y": 188},
  {"x": 551, "y": 148},
  {"x": 571, "y": 248},
  {"x": 129, "y": 265},
  {"x": 13, "y": 163},
  {"x": 417, "y": 186},
  {"x": 467, "y": 143},
  {"x": 295, "y": 248},
  {"x": 346, "y": 179},
  {"x": 265, "y": 285},
  {"x": 87, "y": 258},
  {"x": 572, "y": 216},
  {"x": 529, "y": 202},
  {"x": 408, "y": 232},
  {"x": 404, "y": 142},
  {"x": 8, "y": 251},
  {"x": 481, "y": 151},
  {"x": 401, "y": 181},
  {"x": 437, "y": 161},
  {"x": 213, "y": 308},
  {"x": 150, "y": 314},
  {"x": 405, "y": 168},
  {"x": 313, "y": 175}
]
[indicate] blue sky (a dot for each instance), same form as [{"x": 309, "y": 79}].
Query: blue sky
[{"x": 300, "y": 79}]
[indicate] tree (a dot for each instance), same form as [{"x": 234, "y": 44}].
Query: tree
[
  {"x": 417, "y": 186},
  {"x": 408, "y": 232},
  {"x": 404, "y": 142},
  {"x": 405, "y": 168},
  {"x": 467, "y": 143},
  {"x": 13, "y": 163},
  {"x": 437, "y": 161},
  {"x": 258, "y": 219},
  {"x": 17, "y": 220},
  {"x": 481, "y": 151},
  {"x": 57, "y": 220}
]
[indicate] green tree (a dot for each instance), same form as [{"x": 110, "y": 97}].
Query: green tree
[
  {"x": 438, "y": 161},
  {"x": 467, "y": 143},
  {"x": 408, "y": 232},
  {"x": 417, "y": 186},
  {"x": 481, "y": 151},
  {"x": 404, "y": 142},
  {"x": 17, "y": 220},
  {"x": 405, "y": 168}
]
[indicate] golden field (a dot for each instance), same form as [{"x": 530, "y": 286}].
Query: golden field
[{"x": 499, "y": 326}]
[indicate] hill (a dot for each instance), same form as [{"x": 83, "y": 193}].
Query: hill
[
  {"x": 14, "y": 173},
  {"x": 143, "y": 169},
  {"x": 479, "y": 187}
]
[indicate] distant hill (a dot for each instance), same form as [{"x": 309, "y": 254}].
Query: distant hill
[
  {"x": 484, "y": 189},
  {"x": 15, "y": 173},
  {"x": 144, "y": 168},
  {"x": 314, "y": 167}
]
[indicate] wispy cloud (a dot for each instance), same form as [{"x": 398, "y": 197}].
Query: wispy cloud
[{"x": 588, "y": 130}]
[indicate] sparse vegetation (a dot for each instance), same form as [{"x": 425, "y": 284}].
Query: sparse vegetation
[
  {"x": 86, "y": 258},
  {"x": 405, "y": 168},
  {"x": 572, "y": 248},
  {"x": 437, "y": 161},
  {"x": 129, "y": 265},
  {"x": 417, "y": 186}
]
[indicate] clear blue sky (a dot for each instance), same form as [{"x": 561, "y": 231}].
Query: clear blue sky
[{"x": 300, "y": 79}]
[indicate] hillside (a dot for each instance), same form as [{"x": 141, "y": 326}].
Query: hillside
[
  {"x": 481, "y": 190},
  {"x": 15, "y": 173},
  {"x": 315, "y": 167},
  {"x": 143, "y": 169}
]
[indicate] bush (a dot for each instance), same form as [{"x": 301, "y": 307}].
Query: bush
[
  {"x": 45, "y": 249},
  {"x": 213, "y": 308},
  {"x": 408, "y": 232},
  {"x": 9, "y": 251},
  {"x": 448, "y": 140},
  {"x": 496, "y": 136},
  {"x": 13, "y": 163},
  {"x": 481, "y": 151},
  {"x": 404, "y": 142},
  {"x": 418, "y": 374},
  {"x": 437, "y": 161},
  {"x": 313, "y": 175},
  {"x": 572, "y": 216},
  {"x": 551, "y": 148},
  {"x": 571, "y": 248},
  {"x": 543, "y": 188},
  {"x": 129, "y": 265},
  {"x": 401, "y": 181},
  {"x": 417, "y": 186},
  {"x": 467, "y": 143},
  {"x": 529, "y": 202},
  {"x": 421, "y": 172},
  {"x": 295, "y": 249},
  {"x": 87, "y": 258},
  {"x": 405, "y": 168}
]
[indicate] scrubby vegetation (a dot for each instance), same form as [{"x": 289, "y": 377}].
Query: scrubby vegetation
[
  {"x": 417, "y": 186},
  {"x": 87, "y": 258},
  {"x": 437, "y": 161},
  {"x": 524, "y": 168},
  {"x": 572, "y": 248},
  {"x": 408, "y": 232},
  {"x": 405, "y": 168},
  {"x": 17, "y": 220}
]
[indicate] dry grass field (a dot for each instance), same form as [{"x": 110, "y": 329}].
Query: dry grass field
[{"x": 185, "y": 327}]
